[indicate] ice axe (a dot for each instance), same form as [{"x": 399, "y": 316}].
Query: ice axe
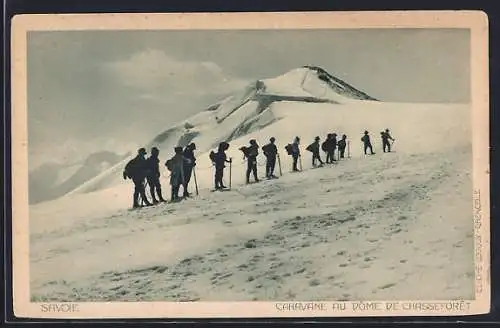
[
  {"x": 230, "y": 166},
  {"x": 144, "y": 185},
  {"x": 195, "y": 182},
  {"x": 279, "y": 164}
]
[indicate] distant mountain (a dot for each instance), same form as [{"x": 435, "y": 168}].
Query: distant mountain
[{"x": 52, "y": 180}]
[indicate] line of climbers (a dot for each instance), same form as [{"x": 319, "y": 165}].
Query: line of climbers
[{"x": 146, "y": 171}]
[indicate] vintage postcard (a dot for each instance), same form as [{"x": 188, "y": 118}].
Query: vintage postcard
[{"x": 225, "y": 165}]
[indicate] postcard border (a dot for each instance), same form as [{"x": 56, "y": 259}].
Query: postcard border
[{"x": 476, "y": 21}]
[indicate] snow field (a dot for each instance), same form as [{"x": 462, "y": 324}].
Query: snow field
[{"x": 389, "y": 226}]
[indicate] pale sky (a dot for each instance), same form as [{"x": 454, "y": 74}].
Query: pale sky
[{"x": 96, "y": 90}]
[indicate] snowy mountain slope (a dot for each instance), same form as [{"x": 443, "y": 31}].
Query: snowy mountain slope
[
  {"x": 290, "y": 118},
  {"x": 309, "y": 120},
  {"x": 243, "y": 112},
  {"x": 357, "y": 231}
]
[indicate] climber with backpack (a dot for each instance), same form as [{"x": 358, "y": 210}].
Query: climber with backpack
[
  {"x": 153, "y": 176},
  {"x": 270, "y": 151},
  {"x": 176, "y": 167},
  {"x": 342, "y": 145},
  {"x": 367, "y": 143},
  {"x": 328, "y": 146},
  {"x": 293, "y": 149},
  {"x": 189, "y": 166},
  {"x": 136, "y": 170},
  {"x": 251, "y": 152},
  {"x": 219, "y": 160},
  {"x": 386, "y": 136},
  {"x": 314, "y": 149}
]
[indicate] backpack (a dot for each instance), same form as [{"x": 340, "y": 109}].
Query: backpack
[
  {"x": 289, "y": 149},
  {"x": 212, "y": 156},
  {"x": 269, "y": 150},
  {"x": 169, "y": 164},
  {"x": 131, "y": 168},
  {"x": 324, "y": 145},
  {"x": 310, "y": 148},
  {"x": 245, "y": 150}
]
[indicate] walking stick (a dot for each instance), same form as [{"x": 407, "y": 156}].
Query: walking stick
[
  {"x": 145, "y": 189},
  {"x": 300, "y": 162},
  {"x": 144, "y": 184},
  {"x": 214, "y": 171},
  {"x": 230, "y": 166},
  {"x": 195, "y": 182},
  {"x": 279, "y": 164}
]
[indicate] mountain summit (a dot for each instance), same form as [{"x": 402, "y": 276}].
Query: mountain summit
[{"x": 304, "y": 84}]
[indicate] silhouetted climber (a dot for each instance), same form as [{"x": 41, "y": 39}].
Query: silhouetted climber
[
  {"x": 293, "y": 149},
  {"x": 328, "y": 146},
  {"x": 386, "y": 136},
  {"x": 219, "y": 159},
  {"x": 153, "y": 176},
  {"x": 136, "y": 170},
  {"x": 334, "y": 146},
  {"x": 296, "y": 152},
  {"x": 342, "y": 144},
  {"x": 325, "y": 145},
  {"x": 270, "y": 151},
  {"x": 314, "y": 149},
  {"x": 188, "y": 166},
  {"x": 367, "y": 143},
  {"x": 251, "y": 153},
  {"x": 176, "y": 167}
]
